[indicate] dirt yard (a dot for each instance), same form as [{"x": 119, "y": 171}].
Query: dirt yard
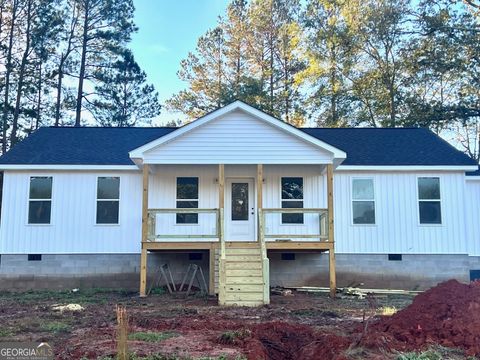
[{"x": 301, "y": 326}]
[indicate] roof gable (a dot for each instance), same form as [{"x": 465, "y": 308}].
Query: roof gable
[{"x": 239, "y": 106}]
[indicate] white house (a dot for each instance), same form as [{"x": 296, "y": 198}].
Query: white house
[{"x": 252, "y": 200}]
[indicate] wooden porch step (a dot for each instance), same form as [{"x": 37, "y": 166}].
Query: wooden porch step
[
  {"x": 252, "y": 265},
  {"x": 244, "y": 288},
  {"x": 243, "y": 258},
  {"x": 244, "y": 280},
  {"x": 243, "y": 303},
  {"x": 244, "y": 273},
  {"x": 242, "y": 251},
  {"x": 244, "y": 296}
]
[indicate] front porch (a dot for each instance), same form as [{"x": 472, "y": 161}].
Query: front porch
[{"x": 238, "y": 237}]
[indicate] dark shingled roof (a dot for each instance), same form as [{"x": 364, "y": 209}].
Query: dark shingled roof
[{"x": 110, "y": 146}]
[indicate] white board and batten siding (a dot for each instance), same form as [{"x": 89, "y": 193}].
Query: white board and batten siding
[
  {"x": 73, "y": 217},
  {"x": 162, "y": 194},
  {"x": 472, "y": 214},
  {"x": 398, "y": 229},
  {"x": 237, "y": 138}
]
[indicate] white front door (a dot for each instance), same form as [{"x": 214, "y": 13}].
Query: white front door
[{"x": 240, "y": 210}]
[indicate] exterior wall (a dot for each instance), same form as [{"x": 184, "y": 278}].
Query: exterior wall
[
  {"x": 237, "y": 138},
  {"x": 72, "y": 229},
  {"x": 397, "y": 228},
  {"x": 472, "y": 216}
]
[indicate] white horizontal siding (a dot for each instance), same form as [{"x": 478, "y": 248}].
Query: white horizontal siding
[
  {"x": 73, "y": 217},
  {"x": 397, "y": 228},
  {"x": 237, "y": 138},
  {"x": 472, "y": 216}
]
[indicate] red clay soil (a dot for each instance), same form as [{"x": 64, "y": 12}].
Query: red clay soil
[
  {"x": 285, "y": 341},
  {"x": 448, "y": 314}
]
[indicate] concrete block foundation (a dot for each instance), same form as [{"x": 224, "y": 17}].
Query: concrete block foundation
[{"x": 67, "y": 271}]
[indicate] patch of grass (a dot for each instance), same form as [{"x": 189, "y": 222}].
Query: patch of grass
[
  {"x": 55, "y": 327},
  {"x": 387, "y": 310},
  {"x": 434, "y": 353},
  {"x": 159, "y": 290},
  {"x": 315, "y": 312},
  {"x": 6, "y": 333},
  {"x": 83, "y": 296},
  {"x": 151, "y": 336},
  {"x": 231, "y": 337}
]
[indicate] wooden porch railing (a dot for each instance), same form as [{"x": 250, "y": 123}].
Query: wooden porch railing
[
  {"x": 152, "y": 224},
  {"x": 323, "y": 223}
]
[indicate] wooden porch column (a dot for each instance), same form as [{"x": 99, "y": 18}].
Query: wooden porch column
[
  {"x": 221, "y": 205},
  {"x": 331, "y": 234},
  {"x": 259, "y": 197},
  {"x": 143, "y": 258}
]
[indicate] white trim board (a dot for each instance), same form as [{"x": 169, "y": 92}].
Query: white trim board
[
  {"x": 406, "y": 168},
  {"x": 238, "y": 105}
]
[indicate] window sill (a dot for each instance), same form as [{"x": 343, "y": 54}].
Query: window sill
[{"x": 107, "y": 224}]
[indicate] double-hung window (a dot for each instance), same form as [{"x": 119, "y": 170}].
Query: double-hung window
[
  {"x": 40, "y": 200},
  {"x": 363, "y": 201},
  {"x": 429, "y": 206},
  {"x": 187, "y": 198},
  {"x": 108, "y": 200},
  {"x": 292, "y": 197}
]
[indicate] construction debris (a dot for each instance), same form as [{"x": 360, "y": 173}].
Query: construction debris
[
  {"x": 68, "y": 307},
  {"x": 355, "y": 291},
  {"x": 281, "y": 291}
]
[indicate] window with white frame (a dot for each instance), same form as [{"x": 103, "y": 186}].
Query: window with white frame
[
  {"x": 108, "y": 200},
  {"x": 187, "y": 198},
  {"x": 292, "y": 197},
  {"x": 40, "y": 200},
  {"x": 429, "y": 203},
  {"x": 363, "y": 201}
]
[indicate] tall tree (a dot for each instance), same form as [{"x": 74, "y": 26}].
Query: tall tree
[
  {"x": 330, "y": 53},
  {"x": 106, "y": 26},
  {"x": 124, "y": 97}
]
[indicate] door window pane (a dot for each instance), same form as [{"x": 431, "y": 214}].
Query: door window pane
[{"x": 239, "y": 201}]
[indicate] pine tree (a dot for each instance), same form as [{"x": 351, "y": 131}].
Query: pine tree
[{"x": 124, "y": 98}]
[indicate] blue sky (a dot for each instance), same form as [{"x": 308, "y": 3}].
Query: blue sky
[{"x": 168, "y": 30}]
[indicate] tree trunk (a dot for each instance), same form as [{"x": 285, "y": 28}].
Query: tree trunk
[
  {"x": 39, "y": 98},
  {"x": 81, "y": 76},
  {"x": 21, "y": 76},
  {"x": 8, "y": 71},
  {"x": 59, "y": 95}
]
